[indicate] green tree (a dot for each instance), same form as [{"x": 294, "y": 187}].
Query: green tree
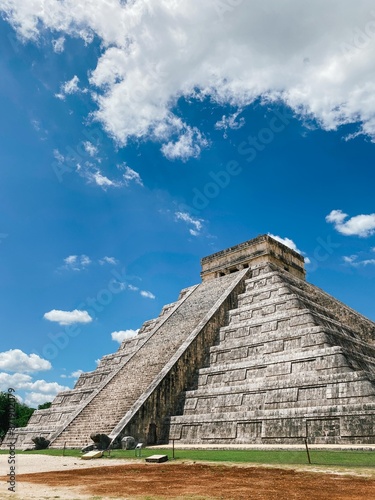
[
  {"x": 23, "y": 414},
  {"x": 44, "y": 406},
  {"x": 4, "y": 414}
]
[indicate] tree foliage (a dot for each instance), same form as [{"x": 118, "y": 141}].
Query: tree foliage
[
  {"x": 44, "y": 406},
  {"x": 23, "y": 413}
]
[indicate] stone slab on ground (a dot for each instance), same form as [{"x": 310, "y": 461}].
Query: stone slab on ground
[
  {"x": 92, "y": 454},
  {"x": 157, "y": 459}
]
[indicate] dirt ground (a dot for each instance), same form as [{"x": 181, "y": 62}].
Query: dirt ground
[{"x": 184, "y": 480}]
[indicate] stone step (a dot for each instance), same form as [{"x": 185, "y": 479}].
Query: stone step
[
  {"x": 306, "y": 379},
  {"x": 305, "y": 411},
  {"x": 255, "y": 345}
]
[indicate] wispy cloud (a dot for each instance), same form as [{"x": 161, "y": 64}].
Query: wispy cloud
[
  {"x": 76, "y": 374},
  {"x": 81, "y": 262},
  {"x": 131, "y": 175},
  {"x": 230, "y": 122},
  {"x": 147, "y": 295},
  {"x": 133, "y": 288},
  {"x": 108, "y": 260},
  {"x": 77, "y": 262},
  {"x": 196, "y": 223},
  {"x": 94, "y": 175},
  {"x": 58, "y": 44},
  {"x": 355, "y": 261}
]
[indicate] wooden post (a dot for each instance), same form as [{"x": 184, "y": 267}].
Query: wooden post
[
  {"x": 64, "y": 449},
  {"x": 307, "y": 451},
  {"x": 173, "y": 449}
]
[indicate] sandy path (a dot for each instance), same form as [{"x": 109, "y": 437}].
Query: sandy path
[
  {"x": 30, "y": 464},
  {"x": 41, "y": 477}
]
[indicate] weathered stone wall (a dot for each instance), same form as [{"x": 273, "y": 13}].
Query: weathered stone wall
[
  {"x": 343, "y": 314},
  {"x": 285, "y": 368},
  {"x": 253, "y": 253}
]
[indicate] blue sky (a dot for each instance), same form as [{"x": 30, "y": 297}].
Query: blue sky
[{"x": 137, "y": 137}]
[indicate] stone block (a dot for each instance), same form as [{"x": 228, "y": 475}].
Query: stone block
[
  {"x": 220, "y": 430},
  {"x": 323, "y": 429},
  {"x": 282, "y": 395},
  {"x": 249, "y": 431},
  {"x": 286, "y": 428}
]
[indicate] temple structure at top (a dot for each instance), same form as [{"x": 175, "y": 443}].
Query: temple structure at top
[{"x": 253, "y": 253}]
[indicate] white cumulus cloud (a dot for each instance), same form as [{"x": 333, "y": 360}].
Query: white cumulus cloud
[
  {"x": 102, "y": 180},
  {"x": 69, "y": 87},
  {"x": 34, "y": 399},
  {"x": 16, "y": 380},
  {"x": 123, "y": 334},
  {"x": 36, "y": 391},
  {"x": 156, "y": 52},
  {"x": 16, "y": 360},
  {"x": 189, "y": 144},
  {"x": 68, "y": 317},
  {"x": 90, "y": 148},
  {"x": 359, "y": 225}
]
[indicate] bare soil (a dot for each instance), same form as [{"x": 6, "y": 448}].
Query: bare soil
[{"x": 186, "y": 480}]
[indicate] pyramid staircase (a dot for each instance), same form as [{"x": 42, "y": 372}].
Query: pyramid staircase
[
  {"x": 293, "y": 362},
  {"x": 166, "y": 349}
]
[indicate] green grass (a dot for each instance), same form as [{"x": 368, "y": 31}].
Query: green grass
[{"x": 274, "y": 457}]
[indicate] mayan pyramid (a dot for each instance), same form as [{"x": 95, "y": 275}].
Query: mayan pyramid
[{"x": 253, "y": 354}]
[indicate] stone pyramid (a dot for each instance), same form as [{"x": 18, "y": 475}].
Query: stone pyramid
[{"x": 253, "y": 354}]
